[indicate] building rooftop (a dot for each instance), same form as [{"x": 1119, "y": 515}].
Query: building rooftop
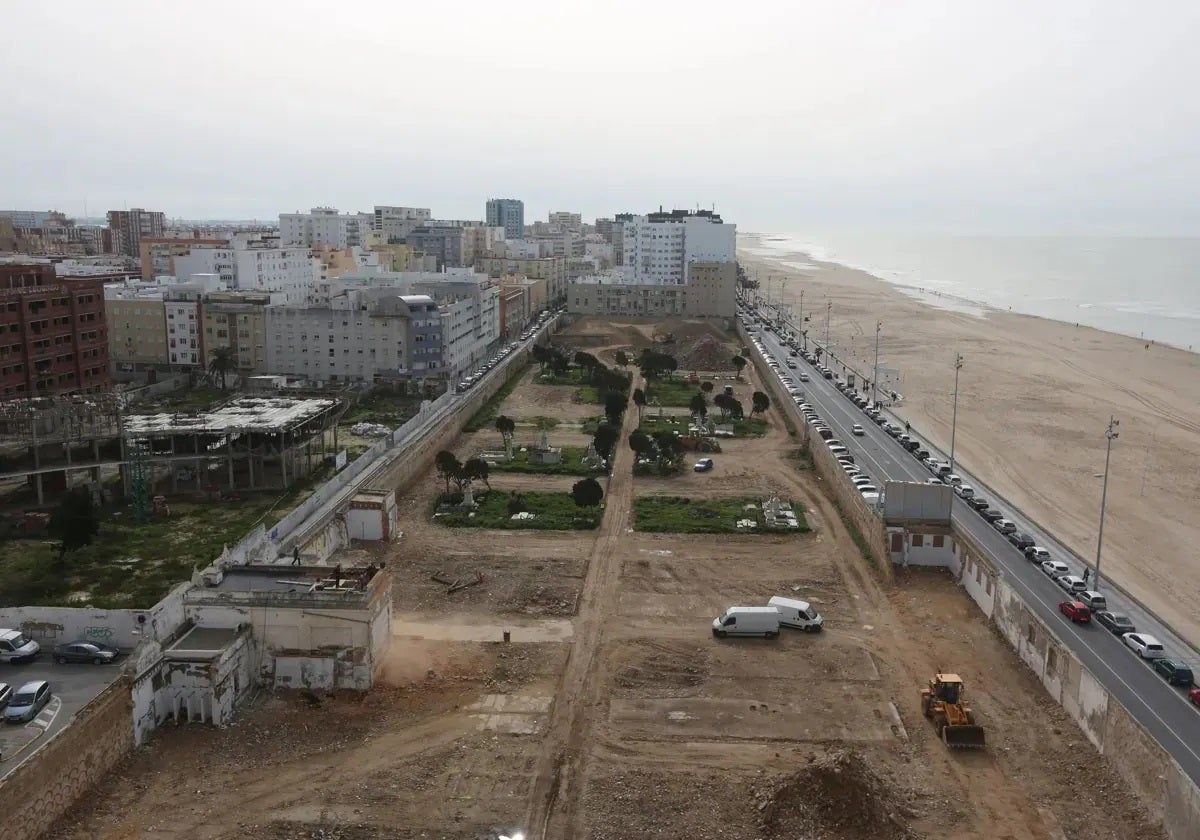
[
  {"x": 287, "y": 578},
  {"x": 257, "y": 414},
  {"x": 204, "y": 641}
]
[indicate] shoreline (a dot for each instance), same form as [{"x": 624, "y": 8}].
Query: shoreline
[
  {"x": 758, "y": 251},
  {"x": 1035, "y": 397}
]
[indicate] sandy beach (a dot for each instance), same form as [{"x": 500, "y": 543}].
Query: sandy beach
[{"x": 1035, "y": 397}]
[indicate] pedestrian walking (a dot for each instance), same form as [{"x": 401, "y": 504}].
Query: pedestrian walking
[
  {"x": 296, "y": 556},
  {"x": 1087, "y": 573}
]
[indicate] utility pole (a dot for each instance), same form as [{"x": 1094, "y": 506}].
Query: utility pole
[
  {"x": 828, "y": 312},
  {"x": 958, "y": 362},
  {"x": 875, "y": 375},
  {"x": 1111, "y": 434},
  {"x": 801, "y": 327}
]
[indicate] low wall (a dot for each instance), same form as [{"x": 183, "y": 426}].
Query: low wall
[
  {"x": 78, "y": 756},
  {"x": 120, "y": 628}
]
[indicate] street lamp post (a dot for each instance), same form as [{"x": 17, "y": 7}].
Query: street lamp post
[
  {"x": 958, "y": 363},
  {"x": 875, "y": 374},
  {"x": 1111, "y": 434},
  {"x": 828, "y": 312}
]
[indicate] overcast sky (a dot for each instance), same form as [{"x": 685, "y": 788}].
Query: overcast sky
[{"x": 966, "y": 116}]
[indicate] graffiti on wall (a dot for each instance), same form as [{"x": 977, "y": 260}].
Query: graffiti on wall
[{"x": 97, "y": 634}]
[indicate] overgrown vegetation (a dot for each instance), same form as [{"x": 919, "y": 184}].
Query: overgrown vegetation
[
  {"x": 746, "y": 427},
  {"x": 681, "y": 515},
  {"x": 674, "y": 393},
  {"x": 486, "y": 414},
  {"x": 388, "y": 406},
  {"x": 571, "y": 464},
  {"x": 496, "y": 509}
]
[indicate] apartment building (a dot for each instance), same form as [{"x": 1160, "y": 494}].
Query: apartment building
[
  {"x": 137, "y": 325},
  {"x": 238, "y": 320},
  {"x": 8, "y": 235},
  {"x": 660, "y": 246},
  {"x": 257, "y": 268},
  {"x": 324, "y": 226},
  {"x": 521, "y": 298},
  {"x": 572, "y": 222},
  {"x": 508, "y": 213},
  {"x": 709, "y": 293},
  {"x": 182, "y": 302},
  {"x": 551, "y": 269},
  {"x": 129, "y": 227},
  {"x": 53, "y": 334},
  {"x": 395, "y": 223},
  {"x": 158, "y": 255}
]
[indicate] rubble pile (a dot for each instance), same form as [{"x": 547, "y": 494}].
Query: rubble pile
[{"x": 704, "y": 353}]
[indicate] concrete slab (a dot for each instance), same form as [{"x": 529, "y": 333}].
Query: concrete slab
[{"x": 512, "y": 714}]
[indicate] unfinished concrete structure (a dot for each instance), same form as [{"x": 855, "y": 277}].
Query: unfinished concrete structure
[{"x": 253, "y": 443}]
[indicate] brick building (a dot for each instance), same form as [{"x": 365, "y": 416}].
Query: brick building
[{"x": 53, "y": 336}]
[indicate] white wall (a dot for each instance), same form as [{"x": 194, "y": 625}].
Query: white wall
[{"x": 121, "y": 628}]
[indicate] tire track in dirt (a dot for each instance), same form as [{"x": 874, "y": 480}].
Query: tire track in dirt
[{"x": 558, "y": 776}]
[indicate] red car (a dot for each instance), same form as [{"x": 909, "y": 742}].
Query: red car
[
  {"x": 1076, "y": 611},
  {"x": 1194, "y": 696}
]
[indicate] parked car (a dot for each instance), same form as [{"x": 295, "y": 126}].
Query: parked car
[
  {"x": 1055, "y": 569},
  {"x": 1004, "y": 526},
  {"x": 84, "y": 651},
  {"x": 1194, "y": 696},
  {"x": 1116, "y": 623},
  {"x": 1020, "y": 539},
  {"x": 1075, "y": 611},
  {"x": 17, "y": 647},
  {"x": 991, "y": 515},
  {"x": 1070, "y": 583},
  {"x": 921, "y": 453},
  {"x": 867, "y": 488},
  {"x": 855, "y": 429},
  {"x": 1144, "y": 645},
  {"x": 5, "y": 694},
  {"x": 1094, "y": 600},
  {"x": 1174, "y": 672},
  {"x": 979, "y": 503},
  {"x": 1036, "y": 553},
  {"x": 747, "y": 621},
  {"x": 703, "y": 465},
  {"x": 27, "y": 701},
  {"x": 846, "y": 459},
  {"x": 953, "y": 479},
  {"x": 965, "y": 490},
  {"x": 860, "y": 480}
]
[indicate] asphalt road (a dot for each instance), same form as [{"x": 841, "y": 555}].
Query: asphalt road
[
  {"x": 1164, "y": 711},
  {"x": 72, "y": 686}
]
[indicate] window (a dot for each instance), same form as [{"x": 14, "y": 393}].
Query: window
[
  {"x": 918, "y": 540},
  {"x": 938, "y": 541}
]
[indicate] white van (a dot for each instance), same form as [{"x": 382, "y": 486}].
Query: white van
[
  {"x": 798, "y": 614},
  {"x": 747, "y": 621}
]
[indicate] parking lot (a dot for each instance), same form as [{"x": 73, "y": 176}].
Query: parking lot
[{"x": 73, "y": 686}]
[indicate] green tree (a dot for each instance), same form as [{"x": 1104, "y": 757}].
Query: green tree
[
  {"x": 641, "y": 443},
  {"x": 721, "y": 401},
  {"x": 698, "y": 405},
  {"x": 735, "y": 408},
  {"x": 221, "y": 363},
  {"x": 622, "y": 359},
  {"x": 506, "y": 426},
  {"x": 654, "y": 364},
  {"x": 706, "y": 386},
  {"x": 614, "y": 407},
  {"x": 588, "y": 363},
  {"x": 639, "y": 399},
  {"x": 587, "y": 492},
  {"x": 75, "y": 522},
  {"x": 739, "y": 363},
  {"x": 761, "y": 402},
  {"x": 605, "y": 439},
  {"x": 448, "y": 467},
  {"x": 669, "y": 448},
  {"x": 476, "y": 469}
]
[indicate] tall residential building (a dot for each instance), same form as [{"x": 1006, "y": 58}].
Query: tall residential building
[
  {"x": 508, "y": 213},
  {"x": 158, "y": 255},
  {"x": 711, "y": 292},
  {"x": 238, "y": 320},
  {"x": 29, "y": 218},
  {"x": 658, "y": 247},
  {"x": 129, "y": 227},
  {"x": 325, "y": 226},
  {"x": 55, "y": 334},
  {"x": 255, "y": 267},
  {"x": 395, "y": 223},
  {"x": 551, "y": 269},
  {"x": 8, "y": 235},
  {"x": 572, "y": 222},
  {"x": 137, "y": 324}
]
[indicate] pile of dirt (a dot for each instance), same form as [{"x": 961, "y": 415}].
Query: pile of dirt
[
  {"x": 674, "y": 670},
  {"x": 839, "y": 796},
  {"x": 704, "y": 353}
]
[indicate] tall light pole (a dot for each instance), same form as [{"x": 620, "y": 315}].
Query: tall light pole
[
  {"x": 802, "y": 310},
  {"x": 828, "y": 312},
  {"x": 875, "y": 375},
  {"x": 958, "y": 362},
  {"x": 1111, "y": 434}
]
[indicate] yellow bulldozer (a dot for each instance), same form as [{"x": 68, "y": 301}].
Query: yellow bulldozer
[{"x": 945, "y": 703}]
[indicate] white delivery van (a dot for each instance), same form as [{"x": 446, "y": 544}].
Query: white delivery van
[
  {"x": 798, "y": 614},
  {"x": 747, "y": 621}
]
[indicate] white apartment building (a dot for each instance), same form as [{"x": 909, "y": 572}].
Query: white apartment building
[
  {"x": 181, "y": 302},
  {"x": 567, "y": 221},
  {"x": 324, "y": 226},
  {"x": 291, "y": 271},
  {"x": 658, "y": 248},
  {"x": 218, "y": 261}
]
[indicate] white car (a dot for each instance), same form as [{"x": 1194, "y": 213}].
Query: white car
[
  {"x": 839, "y": 450},
  {"x": 860, "y": 479},
  {"x": 857, "y": 430},
  {"x": 953, "y": 479},
  {"x": 965, "y": 490},
  {"x": 1144, "y": 645},
  {"x": 1071, "y": 583},
  {"x": 1037, "y": 554},
  {"x": 804, "y": 377},
  {"x": 867, "y": 488},
  {"x": 1055, "y": 568}
]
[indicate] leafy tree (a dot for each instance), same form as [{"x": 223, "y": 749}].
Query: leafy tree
[
  {"x": 699, "y": 405},
  {"x": 587, "y": 492},
  {"x": 614, "y": 407},
  {"x": 75, "y": 522},
  {"x": 654, "y": 364},
  {"x": 706, "y": 386},
  {"x": 221, "y": 363},
  {"x": 448, "y": 467},
  {"x": 541, "y": 355},
  {"x": 735, "y": 408},
  {"x": 721, "y": 401},
  {"x": 506, "y": 427},
  {"x": 605, "y": 439},
  {"x": 761, "y": 402},
  {"x": 669, "y": 448},
  {"x": 588, "y": 363},
  {"x": 639, "y": 399},
  {"x": 622, "y": 359},
  {"x": 559, "y": 363},
  {"x": 739, "y": 362},
  {"x": 476, "y": 469},
  {"x": 641, "y": 443}
]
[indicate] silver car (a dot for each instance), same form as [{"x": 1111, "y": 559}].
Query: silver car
[{"x": 28, "y": 700}]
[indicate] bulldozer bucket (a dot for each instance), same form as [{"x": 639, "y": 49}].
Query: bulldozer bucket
[{"x": 966, "y": 736}]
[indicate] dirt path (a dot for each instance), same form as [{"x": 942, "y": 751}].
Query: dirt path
[{"x": 558, "y": 777}]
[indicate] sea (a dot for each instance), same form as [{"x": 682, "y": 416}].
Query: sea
[{"x": 1144, "y": 287}]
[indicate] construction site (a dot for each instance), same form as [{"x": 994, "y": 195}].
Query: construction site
[{"x": 551, "y": 683}]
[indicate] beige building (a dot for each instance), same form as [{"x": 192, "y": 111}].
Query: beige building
[
  {"x": 551, "y": 269},
  {"x": 158, "y": 255},
  {"x": 709, "y": 293},
  {"x": 238, "y": 320},
  {"x": 8, "y": 235},
  {"x": 137, "y": 328}
]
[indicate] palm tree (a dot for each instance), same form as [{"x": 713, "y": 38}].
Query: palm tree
[{"x": 223, "y": 362}]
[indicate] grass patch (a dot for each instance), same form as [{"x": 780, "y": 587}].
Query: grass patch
[
  {"x": 552, "y": 512},
  {"x": 803, "y": 459},
  {"x": 132, "y": 565},
  {"x": 487, "y": 413},
  {"x": 571, "y": 464},
  {"x": 383, "y": 405},
  {"x": 746, "y": 427},
  {"x": 674, "y": 393},
  {"x": 681, "y": 515},
  {"x": 541, "y": 422},
  {"x": 856, "y": 535}
]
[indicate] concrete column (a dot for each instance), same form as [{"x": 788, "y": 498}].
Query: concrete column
[
  {"x": 229, "y": 455},
  {"x": 37, "y": 483}
]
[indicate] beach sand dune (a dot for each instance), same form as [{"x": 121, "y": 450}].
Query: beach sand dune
[{"x": 1034, "y": 400}]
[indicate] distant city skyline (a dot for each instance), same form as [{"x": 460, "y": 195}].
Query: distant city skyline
[{"x": 981, "y": 117}]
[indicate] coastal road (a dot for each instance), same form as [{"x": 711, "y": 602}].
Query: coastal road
[{"x": 1163, "y": 711}]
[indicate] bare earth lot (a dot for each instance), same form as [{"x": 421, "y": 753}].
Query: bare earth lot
[{"x": 614, "y": 714}]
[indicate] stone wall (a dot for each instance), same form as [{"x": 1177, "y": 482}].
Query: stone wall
[{"x": 75, "y": 758}]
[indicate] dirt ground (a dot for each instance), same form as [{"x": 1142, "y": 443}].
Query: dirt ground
[{"x": 613, "y": 714}]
